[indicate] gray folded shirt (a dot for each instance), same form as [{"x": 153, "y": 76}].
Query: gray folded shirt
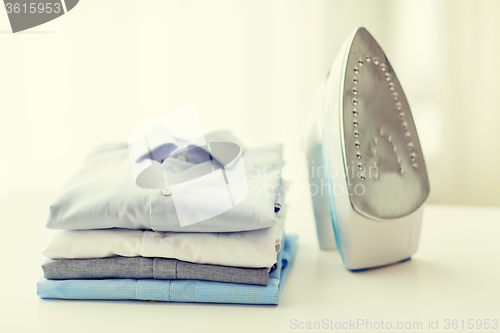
[
  {"x": 103, "y": 194},
  {"x": 150, "y": 268}
]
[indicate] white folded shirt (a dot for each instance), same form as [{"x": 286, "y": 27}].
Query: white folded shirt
[{"x": 255, "y": 248}]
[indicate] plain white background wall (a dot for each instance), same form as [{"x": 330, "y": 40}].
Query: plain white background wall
[{"x": 96, "y": 73}]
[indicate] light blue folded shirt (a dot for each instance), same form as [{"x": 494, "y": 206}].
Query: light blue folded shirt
[
  {"x": 176, "y": 290},
  {"x": 103, "y": 193}
]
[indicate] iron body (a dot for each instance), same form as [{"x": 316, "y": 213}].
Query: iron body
[{"x": 363, "y": 152}]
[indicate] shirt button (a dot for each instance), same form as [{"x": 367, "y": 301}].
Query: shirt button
[
  {"x": 181, "y": 158},
  {"x": 176, "y": 169},
  {"x": 166, "y": 192}
]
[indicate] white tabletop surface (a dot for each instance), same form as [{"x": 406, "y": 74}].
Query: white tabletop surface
[{"x": 454, "y": 275}]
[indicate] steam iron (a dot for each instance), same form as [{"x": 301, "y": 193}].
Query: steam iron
[{"x": 364, "y": 160}]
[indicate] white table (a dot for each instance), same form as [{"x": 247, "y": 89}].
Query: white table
[{"x": 455, "y": 275}]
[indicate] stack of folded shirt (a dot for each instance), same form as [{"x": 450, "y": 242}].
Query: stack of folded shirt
[{"x": 120, "y": 241}]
